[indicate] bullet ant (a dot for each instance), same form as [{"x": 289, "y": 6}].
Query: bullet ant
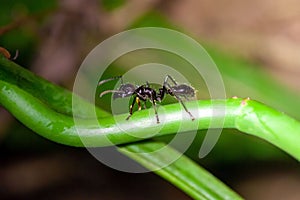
[{"x": 145, "y": 92}]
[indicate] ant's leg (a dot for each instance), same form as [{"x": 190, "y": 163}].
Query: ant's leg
[
  {"x": 139, "y": 103},
  {"x": 169, "y": 77},
  {"x": 185, "y": 108},
  {"x": 155, "y": 110},
  {"x": 131, "y": 107},
  {"x": 110, "y": 79},
  {"x": 178, "y": 98},
  {"x": 144, "y": 105},
  {"x": 138, "y": 100}
]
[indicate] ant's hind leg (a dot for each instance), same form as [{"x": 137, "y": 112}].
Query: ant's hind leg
[
  {"x": 171, "y": 78},
  {"x": 131, "y": 108},
  {"x": 185, "y": 108}
]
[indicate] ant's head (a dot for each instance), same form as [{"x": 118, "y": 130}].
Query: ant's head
[{"x": 125, "y": 90}]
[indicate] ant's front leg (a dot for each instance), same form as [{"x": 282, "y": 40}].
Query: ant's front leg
[
  {"x": 139, "y": 103},
  {"x": 138, "y": 100},
  {"x": 131, "y": 107}
]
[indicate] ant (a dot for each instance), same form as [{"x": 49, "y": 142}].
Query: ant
[{"x": 145, "y": 92}]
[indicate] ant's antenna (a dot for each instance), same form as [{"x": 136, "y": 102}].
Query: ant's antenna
[
  {"x": 111, "y": 79},
  {"x": 111, "y": 91}
]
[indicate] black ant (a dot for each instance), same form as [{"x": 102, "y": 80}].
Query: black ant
[{"x": 145, "y": 92}]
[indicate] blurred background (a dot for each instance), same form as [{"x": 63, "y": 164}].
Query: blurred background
[{"x": 255, "y": 44}]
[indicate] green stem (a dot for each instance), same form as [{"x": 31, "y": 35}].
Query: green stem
[{"x": 245, "y": 115}]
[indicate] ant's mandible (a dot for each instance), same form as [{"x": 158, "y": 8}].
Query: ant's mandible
[{"x": 145, "y": 92}]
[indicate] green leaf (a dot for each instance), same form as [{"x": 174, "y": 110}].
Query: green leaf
[{"x": 184, "y": 173}]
